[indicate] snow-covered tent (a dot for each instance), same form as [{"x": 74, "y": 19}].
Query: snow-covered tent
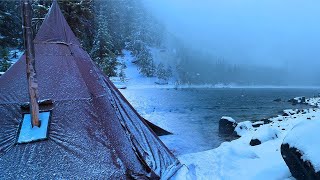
[{"x": 93, "y": 131}]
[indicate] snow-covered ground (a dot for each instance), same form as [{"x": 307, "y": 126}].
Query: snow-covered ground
[
  {"x": 15, "y": 55},
  {"x": 133, "y": 78},
  {"x": 239, "y": 160}
]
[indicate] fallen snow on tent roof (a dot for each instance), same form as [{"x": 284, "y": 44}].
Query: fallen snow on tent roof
[
  {"x": 305, "y": 137},
  {"x": 29, "y": 133}
]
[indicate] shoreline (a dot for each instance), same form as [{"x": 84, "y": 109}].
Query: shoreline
[
  {"x": 238, "y": 158},
  {"x": 172, "y": 86}
]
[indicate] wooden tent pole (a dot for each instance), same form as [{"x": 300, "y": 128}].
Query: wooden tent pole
[{"x": 30, "y": 61}]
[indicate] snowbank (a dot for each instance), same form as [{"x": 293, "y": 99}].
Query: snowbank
[
  {"x": 243, "y": 127},
  {"x": 238, "y": 160},
  {"x": 265, "y": 133}
]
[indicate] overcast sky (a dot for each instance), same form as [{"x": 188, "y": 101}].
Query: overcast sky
[{"x": 266, "y": 32}]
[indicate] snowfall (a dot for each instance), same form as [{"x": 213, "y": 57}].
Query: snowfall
[{"x": 238, "y": 159}]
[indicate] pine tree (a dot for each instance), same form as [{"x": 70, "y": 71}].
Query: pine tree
[
  {"x": 115, "y": 16},
  {"x": 169, "y": 72},
  {"x": 102, "y": 47},
  {"x": 78, "y": 13},
  {"x": 4, "y": 60},
  {"x": 81, "y": 18},
  {"x": 145, "y": 63},
  {"x": 122, "y": 74},
  {"x": 163, "y": 73},
  {"x": 10, "y": 24}
]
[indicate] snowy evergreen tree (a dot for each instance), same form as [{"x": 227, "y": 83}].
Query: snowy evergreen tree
[
  {"x": 102, "y": 48},
  {"x": 4, "y": 60},
  {"x": 122, "y": 74},
  {"x": 145, "y": 63},
  {"x": 163, "y": 73},
  {"x": 115, "y": 11},
  {"x": 10, "y": 24},
  {"x": 79, "y": 14}
]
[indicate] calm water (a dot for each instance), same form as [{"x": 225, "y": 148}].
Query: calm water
[{"x": 193, "y": 114}]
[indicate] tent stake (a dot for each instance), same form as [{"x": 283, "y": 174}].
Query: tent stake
[{"x": 30, "y": 61}]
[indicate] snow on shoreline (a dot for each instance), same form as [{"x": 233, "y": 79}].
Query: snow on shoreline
[{"x": 238, "y": 160}]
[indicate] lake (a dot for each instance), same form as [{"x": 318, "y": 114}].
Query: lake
[{"x": 193, "y": 115}]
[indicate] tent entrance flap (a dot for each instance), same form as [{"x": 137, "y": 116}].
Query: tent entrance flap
[{"x": 30, "y": 134}]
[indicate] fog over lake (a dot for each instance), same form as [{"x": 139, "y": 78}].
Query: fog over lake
[{"x": 267, "y": 33}]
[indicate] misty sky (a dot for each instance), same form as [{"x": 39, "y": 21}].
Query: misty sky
[{"x": 268, "y": 32}]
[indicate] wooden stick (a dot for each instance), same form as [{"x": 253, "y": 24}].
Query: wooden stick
[{"x": 30, "y": 61}]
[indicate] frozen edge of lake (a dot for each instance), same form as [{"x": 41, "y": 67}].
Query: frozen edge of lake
[{"x": 238, "y": 160}]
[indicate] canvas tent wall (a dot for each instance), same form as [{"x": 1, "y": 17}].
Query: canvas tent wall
[{"x": 93, "y": 132}]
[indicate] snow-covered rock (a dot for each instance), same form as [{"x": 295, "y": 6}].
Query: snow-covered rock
[
  {"x": 263, "y": 134},
  {"x": 289, "y": 112},
  {"x": 227, "y": 125},
  {"x": 243, "y": 127},
  {"x": 313, "y": 101},
  {"x": 266, "y": 133},
  {"x": 300, "y": 150},
  {"x": 298, "y": 100},
  {"x": 230, "y": 119},
  {"x": 257, "y": 124}
]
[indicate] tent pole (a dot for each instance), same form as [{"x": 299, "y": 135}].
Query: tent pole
[{"x": 30, "y": 61}]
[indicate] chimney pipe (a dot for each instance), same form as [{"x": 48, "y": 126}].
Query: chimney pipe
[{"x": 30, "y": 61}]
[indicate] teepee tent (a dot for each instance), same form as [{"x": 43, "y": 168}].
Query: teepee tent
[{"x": 92, "y": 131}]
